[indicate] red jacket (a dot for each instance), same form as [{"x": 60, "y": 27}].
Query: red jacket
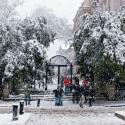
[{"x": 66, "y": 81}]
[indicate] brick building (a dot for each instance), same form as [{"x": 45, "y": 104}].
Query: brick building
[{"x": 105, "y": 5}]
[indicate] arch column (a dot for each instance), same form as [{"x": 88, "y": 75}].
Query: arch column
[
  {"x": 58, "y": 74},
  {"x": 71, "y": 71}
]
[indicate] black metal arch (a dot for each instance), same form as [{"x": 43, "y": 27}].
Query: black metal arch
[
  {"x": 68, "y": 62},
  {"x": 59, "y": 65}
]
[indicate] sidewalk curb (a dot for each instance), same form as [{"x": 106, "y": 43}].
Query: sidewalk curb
[{"x": 120, "y": 116}]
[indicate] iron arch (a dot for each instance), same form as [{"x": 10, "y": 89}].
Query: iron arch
[
  {"x": 61, "y": 57},
  {"x": 53, "y": 63}
]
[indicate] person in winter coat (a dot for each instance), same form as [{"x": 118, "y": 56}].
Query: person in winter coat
[
  {"x": 56, "y": 91},
  {"x": 77, "y": 93},
  {"x": 76, "y": 80},
  {"x": 91, "y": 95},
  {"x": 74, "y": 94},
  {"x": 67, "y": 85},
  {"x": 81, "y": 96},
  {"x": 27, "y": 94},
  {"x": 61, "y": 96},
  {"x": 86, "y": 89}
]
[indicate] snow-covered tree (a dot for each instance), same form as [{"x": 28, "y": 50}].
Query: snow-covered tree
[
  {"x": 37, "y": 29},
  {"x": 27, "y": 61},
  {"x": 23, "y": 51},
  {"x": 59, "y": 25},
  {"x": 99, "y": 37},
  {"x": 7, "y": 9}
]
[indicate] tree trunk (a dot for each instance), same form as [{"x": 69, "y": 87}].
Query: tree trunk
[
  {"x": 6, "y": 91},
  {"x": 111, "y": 91}
]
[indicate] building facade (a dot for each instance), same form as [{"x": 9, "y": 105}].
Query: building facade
[
  {"x": 84, "y": 8},
  {"x": 111, "y": 5},
  {"x": 87, "y": 7}
]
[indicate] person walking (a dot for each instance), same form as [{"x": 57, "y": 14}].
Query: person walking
[
  {"x": 28, "y": 94},
  {"x": 76, "y": 80},
  {"x": 81, "y": 96},
  {"x": 77, "y": 93},
  {"x": 86, "y": 89},
  {"x": 91, "y": 95},
  {"x": 74, "y": 94}
]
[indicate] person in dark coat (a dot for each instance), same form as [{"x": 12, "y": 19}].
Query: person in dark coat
[
  {"x": 61, "y": 96},
  {"x": 86, "y": 85},
  {"x": 81, "y": 96},
  {"x": 56, "y": 91},
  {"x": 77, "y": 93},
  {"x": 76, "y": 80},
  {"x": 74, "y": 94},
  {"x": 91, "y": 95},
  {"x": 28, "y": 94}
]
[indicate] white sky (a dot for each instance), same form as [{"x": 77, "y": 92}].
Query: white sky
[
  {"x": 62, "y": 8},
  {"x": 52, "y": 50}
]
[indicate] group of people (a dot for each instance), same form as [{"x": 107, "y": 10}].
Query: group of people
[
  {"x": 80, "y": 93},
  {"x": 84, "y": 93}
]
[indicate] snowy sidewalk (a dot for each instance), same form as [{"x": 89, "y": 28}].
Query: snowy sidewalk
[
  {"x": 68, "y": 106},
  {"x": 6, "y": 107},
  {"x": 6, "y": 119},
  {"x": 70, "y": 118}
]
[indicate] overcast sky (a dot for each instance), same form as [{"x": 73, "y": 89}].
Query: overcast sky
[{"x": 62, "y": 8}]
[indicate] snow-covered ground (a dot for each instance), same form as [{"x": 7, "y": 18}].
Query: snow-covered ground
[
  {"x": 101, "y": 113},
  {"x": 6, "y": 119},
  {"x": 68, "y": 114},
  {"x": 74, "y": 119}
]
